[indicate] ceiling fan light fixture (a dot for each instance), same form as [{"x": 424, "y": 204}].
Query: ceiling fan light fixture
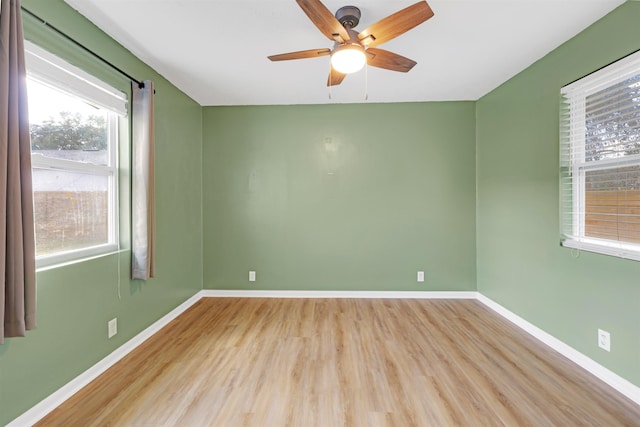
[{"x": 348, "y": 58}]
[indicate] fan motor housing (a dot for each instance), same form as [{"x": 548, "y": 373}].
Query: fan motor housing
[{"x": 348, "y": 16}]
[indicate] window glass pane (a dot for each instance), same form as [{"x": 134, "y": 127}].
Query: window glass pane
[
  {"x": 74, "y": 138},
  {"x": 71, "y": 210},
  {"x": 64, "y": 127},
  {"x": 613, "y": 121},
  {"x": 612, "y": 204}
]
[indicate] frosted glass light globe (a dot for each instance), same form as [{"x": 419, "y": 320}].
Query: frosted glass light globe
[{"x": 348, "y": 58}]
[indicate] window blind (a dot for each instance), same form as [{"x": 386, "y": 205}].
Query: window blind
[{"x": 600, "y": 160}]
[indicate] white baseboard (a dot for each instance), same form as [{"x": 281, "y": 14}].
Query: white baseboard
[
  {"x": 614, "y": 380},
  {"x": 218, "y": 293},
  {"x": 40, "y": 410}
]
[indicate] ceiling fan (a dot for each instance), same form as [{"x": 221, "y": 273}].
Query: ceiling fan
[{"x": 352, "y": 49}]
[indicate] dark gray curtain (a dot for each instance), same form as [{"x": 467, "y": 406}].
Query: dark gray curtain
[{"x": 17, "y": 242}]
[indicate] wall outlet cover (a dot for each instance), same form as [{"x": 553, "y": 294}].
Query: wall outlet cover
[
  {"x": 604, "y": 340},
  {"x": 420, "y": 276},
  {"x": 252, "y": 276},
  {"x": 112, "y": 327}
]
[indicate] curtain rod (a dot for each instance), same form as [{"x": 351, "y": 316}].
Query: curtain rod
[
  {"x": 604, "y": 66},
  {"x": 83, "y": 47}
]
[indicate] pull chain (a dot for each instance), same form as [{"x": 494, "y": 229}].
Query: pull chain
[
  {"x": 366, "y": 81},
  {"x": 330, "y": 81}
]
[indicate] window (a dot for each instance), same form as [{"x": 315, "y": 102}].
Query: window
[
  {"x": 74, "y": 144},
  {"x": 600, "y": 160}
]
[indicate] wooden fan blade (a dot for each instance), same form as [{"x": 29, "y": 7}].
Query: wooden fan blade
[
  {"x": 335, "y": 78},
  {"x": 324, "y": 20},
  {"x": 394, "y": 25},
  {"x": 388, "y": 60},
  {"x": 302, "y": 54}
]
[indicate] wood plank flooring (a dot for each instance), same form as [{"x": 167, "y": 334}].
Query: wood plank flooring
[{"x": 343, "y": 362}]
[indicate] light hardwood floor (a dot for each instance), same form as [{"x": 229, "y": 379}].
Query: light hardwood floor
[{"x": 344, "y": 362}]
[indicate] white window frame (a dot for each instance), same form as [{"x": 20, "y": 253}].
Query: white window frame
[
  {"x": 573, "y": 164},
  {"x": 52, "y": 71}
]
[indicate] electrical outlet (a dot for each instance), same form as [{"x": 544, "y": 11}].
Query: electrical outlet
[
  {"x": 252, "y": 276},
  {"x": 420, "y": 276},
  {"x": 604, "y": 340},
  {"x": 112, "y": 327}
]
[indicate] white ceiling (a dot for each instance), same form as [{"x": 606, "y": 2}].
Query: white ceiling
[{"x": 216, "y": 50}]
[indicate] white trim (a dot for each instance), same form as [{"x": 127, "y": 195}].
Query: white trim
[
  {"x": 582, "y": 153},
  {"x": 75, "y": 255},
  {"x": 220, "y": 293},
  {"x": 40, "y": 410},
  {"x": 604, "y": 247},
  {"x": 609, "y": 75},
  {"x": 614, "y": 380},
  {"x": 51, "y": 70},
  {"x": 109, "y": 172}
]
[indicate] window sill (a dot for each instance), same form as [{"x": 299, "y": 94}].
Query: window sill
[
  {"x": 73, "y": 257},
  {"x": 604, "y": 247}
]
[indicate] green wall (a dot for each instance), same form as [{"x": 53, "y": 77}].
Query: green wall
[
  {"x": 520, "y": 262},
  {"x": 76, "y": 301},
  {"x": 340, "y": 197}
]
